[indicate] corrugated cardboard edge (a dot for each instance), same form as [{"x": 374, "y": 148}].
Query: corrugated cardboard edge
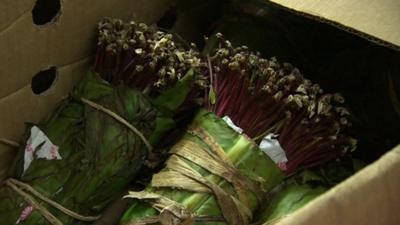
[
  {"x": 368, "y": 198},
  {"x": 376, "y": 21}
]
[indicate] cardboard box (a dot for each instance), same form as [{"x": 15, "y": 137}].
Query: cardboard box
[
  {"x": 66, "y": 42},
  {"x": 370, "y": 196}
]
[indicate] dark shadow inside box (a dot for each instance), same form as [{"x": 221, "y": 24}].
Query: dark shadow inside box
[{"x": 367, "y": 74}]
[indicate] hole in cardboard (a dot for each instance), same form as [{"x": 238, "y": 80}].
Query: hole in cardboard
[
  {"x": 43, "y": 80},
  {"x": 46, "y": 11}
]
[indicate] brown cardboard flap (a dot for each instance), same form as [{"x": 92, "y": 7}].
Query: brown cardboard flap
[
  {"x": 378, "y": 21},
  {"x": 67, "y": 43},
  {"x": 371, "y": 197}
]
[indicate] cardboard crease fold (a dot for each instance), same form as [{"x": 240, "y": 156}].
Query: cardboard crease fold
[{"x": 12, "y": 24}]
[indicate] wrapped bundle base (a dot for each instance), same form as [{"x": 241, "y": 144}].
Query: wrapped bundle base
[
  {"x": 96, "y": 155},
  {"x": 214, "y": 175},
  {"x": 292, "y": 197}
]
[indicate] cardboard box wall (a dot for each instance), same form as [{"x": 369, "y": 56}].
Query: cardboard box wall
[{"x": 369, "y": 197}]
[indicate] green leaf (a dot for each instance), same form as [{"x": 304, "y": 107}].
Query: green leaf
[
  {"x": 174, "y": 97},
  {"x": 212, "y": 95},
  {"x": 163, "y": 125},
  {"x": 308, "y": 176},
  {"x": 92, "y": 87},
  {"x": 288, "y": 199}
]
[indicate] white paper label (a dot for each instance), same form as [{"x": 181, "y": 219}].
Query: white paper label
[
  {"x": 39, "y": 145},
  {"x": 270, "y": 145},
  {"x": 232, "y": 125}
]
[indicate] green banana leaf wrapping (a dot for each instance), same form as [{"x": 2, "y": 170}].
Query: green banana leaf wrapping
[
  {"x": 100, "y": 155},
  {"x": 299, "y": 190},
  {"x": 240, "y": 151},
  {"x": 287, "y": 200}
]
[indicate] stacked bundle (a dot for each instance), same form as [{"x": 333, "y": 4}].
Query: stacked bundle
[
  {"x": 91, "y": 147},
  {"x": 217, "y": 172}
]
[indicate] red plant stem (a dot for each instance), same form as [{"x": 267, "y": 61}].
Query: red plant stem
[
  {"x": 294, "y": 122},
  {"x": 233, "y": 99},
  {"x": 315, "y": 152},
  {"x": 227, "y": 101},
  {"x": 242, "y": 95},
  {"x": 274, "y": 117},
  {"x": 99, "y": 58},
  {"x": 256, "y": 101}
]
